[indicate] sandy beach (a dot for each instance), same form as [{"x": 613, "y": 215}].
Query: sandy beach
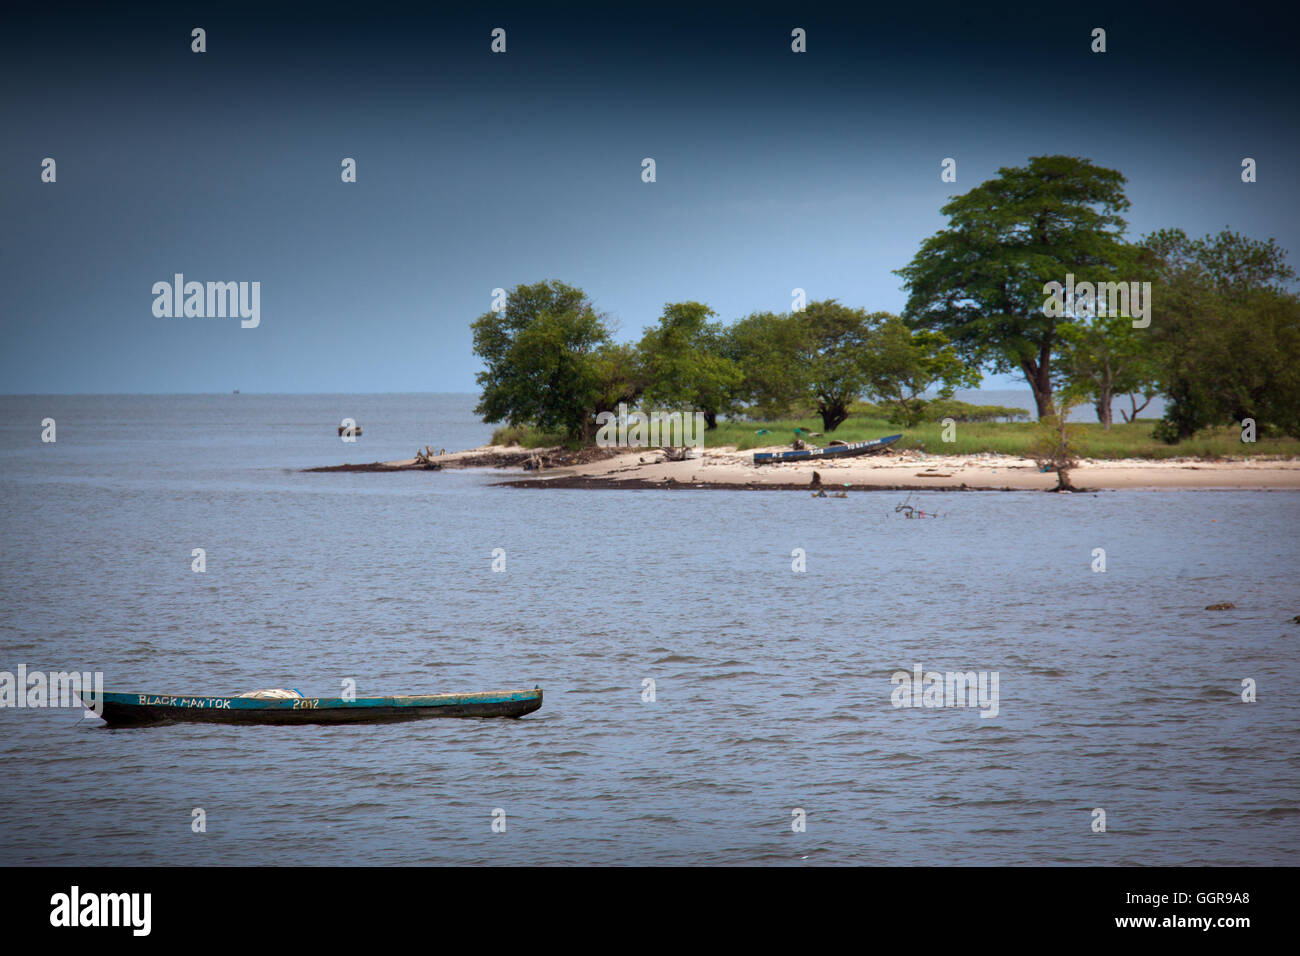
[{"x": 907, "y": 470}]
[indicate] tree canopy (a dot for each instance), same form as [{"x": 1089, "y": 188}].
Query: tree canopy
[
  {"x": 1226, "y": 333},
  {"x": 1218, "y": 336},
  {"x": 980, "y": 281},
  {"x": 764, "y": 346},
  {"x": 684, "y": 362},
  {"x": 904, "y": 365},
  {"x": 543, "y": 358},
  {"x": 828, "y": 356},
  {"x": 835, "y": 356}
]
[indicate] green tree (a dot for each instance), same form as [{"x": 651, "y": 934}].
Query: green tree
[
  {"x": 542, "y": 357},
  {"x": 765, "y": 347},
  {"x": 685, "y": 363},
  {"x": 1107, "y": 357},
  {"x": 980, "y": 281},
  {"x": 619, "y": 375},
  {"x": 904, "y": 365},
  {"x": 819, "y": 358},
  {"x": 834, "y": 353},
  {"x": 1228, "y": 333},
  {"x": 1056, "y": 440},
  {"x": 1102, "y": 354},
  {"x": 1228, "y": 261}
]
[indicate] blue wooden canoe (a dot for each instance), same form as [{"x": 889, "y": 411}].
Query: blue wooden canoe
[
  {"x": 830, "y": 451},
  {"x": 125, "y": 710}
]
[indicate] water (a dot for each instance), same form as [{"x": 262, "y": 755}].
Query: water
[
  {"x": 1117, "y": 691},
  {"x": 1023, "y": 398}
]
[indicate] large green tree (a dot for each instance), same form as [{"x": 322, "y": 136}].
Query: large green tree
[
  {"x": 980, "y": 281},
  {"x": 543, "y": 358},
  {"x": 685, "y": 363}
]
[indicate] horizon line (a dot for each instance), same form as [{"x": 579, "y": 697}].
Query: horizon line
[{"x": 233, "y": 392}]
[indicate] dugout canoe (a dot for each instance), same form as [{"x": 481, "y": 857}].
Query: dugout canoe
[
  {"x": 134, "y": 710},
  {"x": 830, "y": 451}
]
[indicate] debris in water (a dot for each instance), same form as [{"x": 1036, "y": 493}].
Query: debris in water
[{"x": 910, "y": 512}]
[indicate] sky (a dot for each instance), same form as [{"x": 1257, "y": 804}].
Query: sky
[{"x": 475, "y": 170}]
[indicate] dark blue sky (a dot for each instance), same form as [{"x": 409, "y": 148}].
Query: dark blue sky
[{"x": 476, "y": 170}]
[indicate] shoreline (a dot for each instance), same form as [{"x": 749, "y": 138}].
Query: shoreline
[
  {"x": 642, "y": 484},
  {"x": 488, "y": 456},
  {"x": 727, "y": 469}
]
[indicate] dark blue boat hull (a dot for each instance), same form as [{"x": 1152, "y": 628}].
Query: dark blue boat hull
[{"x": 830, "y": 451}]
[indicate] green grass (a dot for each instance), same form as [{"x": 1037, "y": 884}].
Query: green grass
[{"x": 1124, "y": 440}]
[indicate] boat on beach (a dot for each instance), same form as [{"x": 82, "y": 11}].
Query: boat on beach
[
  {"x": 830, "y": 451},
  {"x": 136, "y": 710}
]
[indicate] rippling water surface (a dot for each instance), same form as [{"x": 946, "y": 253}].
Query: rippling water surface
[{"x": 1117, "y": 691}]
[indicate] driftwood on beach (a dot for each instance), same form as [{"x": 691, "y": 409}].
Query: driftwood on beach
[
  {"x": 425, "y": 459},
  {"x": 428, "y": 459},
  {"x": 676, "y": 454}
]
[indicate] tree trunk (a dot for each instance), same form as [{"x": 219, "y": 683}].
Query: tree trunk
[
  {"x": 1105, "y": 395},
  {"x": 833, "y": 414},
  {"x": 1038, "y": 375},
  {"x": 1133, "y": 403},
  {"x": 710, "y": 421},
  {"x": 1103, "y": 404}
]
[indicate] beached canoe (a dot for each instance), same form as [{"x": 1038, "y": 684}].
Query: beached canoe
[
  {"x": 126, "y": 710},
  {"x": 830, "y": 451}
]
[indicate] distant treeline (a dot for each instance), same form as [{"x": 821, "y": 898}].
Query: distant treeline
[
  {"x": 937, "y": 409},
  {"x": 1032, "y": 275}
]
